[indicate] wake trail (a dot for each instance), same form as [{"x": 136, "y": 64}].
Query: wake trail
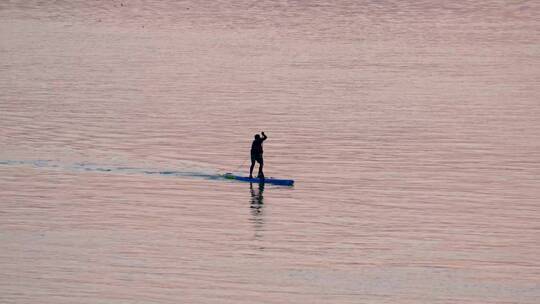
[{"x": 118, "y": 169}]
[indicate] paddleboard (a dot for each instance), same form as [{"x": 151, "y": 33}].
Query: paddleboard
[{"x": 267, "y": 180}]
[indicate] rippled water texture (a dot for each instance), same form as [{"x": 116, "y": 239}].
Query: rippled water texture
[{"x": 411, "y": 129}]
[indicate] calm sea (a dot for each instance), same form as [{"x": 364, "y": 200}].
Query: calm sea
[{"x": 411, "y": 128}]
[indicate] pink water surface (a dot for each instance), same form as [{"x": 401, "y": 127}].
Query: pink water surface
[{"x": 411, "y": 128}]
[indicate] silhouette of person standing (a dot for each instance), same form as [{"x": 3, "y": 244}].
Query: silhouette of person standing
[{"x": 257, "y": 155}]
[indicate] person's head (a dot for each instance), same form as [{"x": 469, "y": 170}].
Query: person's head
[{"x": 257, "y": 136}]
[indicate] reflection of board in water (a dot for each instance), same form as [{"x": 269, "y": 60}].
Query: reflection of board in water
[{"x": 268, "y": 180}]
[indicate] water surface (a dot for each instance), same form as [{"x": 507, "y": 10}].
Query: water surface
[{"x": 410, "y": 127}]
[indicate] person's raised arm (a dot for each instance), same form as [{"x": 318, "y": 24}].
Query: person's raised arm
[{"x": 264, "y": 137}]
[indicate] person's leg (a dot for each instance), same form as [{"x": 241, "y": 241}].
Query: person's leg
[
  {"x": 252, "y": 166},
  {"x": 261, "y": 164}
]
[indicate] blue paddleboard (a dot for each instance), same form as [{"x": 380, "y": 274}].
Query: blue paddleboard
[{"x": 268, "y": 180}]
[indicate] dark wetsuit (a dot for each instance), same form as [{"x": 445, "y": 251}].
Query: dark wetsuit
[
  {"x": 257, "y": 155},
  {"x": 257, "y": 150}
]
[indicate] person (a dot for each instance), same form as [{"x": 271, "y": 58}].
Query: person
[{"x": 257, "y": 155}]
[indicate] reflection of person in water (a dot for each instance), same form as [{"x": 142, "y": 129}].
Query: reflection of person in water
[
  {"x": 257, "y": 199},
  {"x": 256, "y": 207}
]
